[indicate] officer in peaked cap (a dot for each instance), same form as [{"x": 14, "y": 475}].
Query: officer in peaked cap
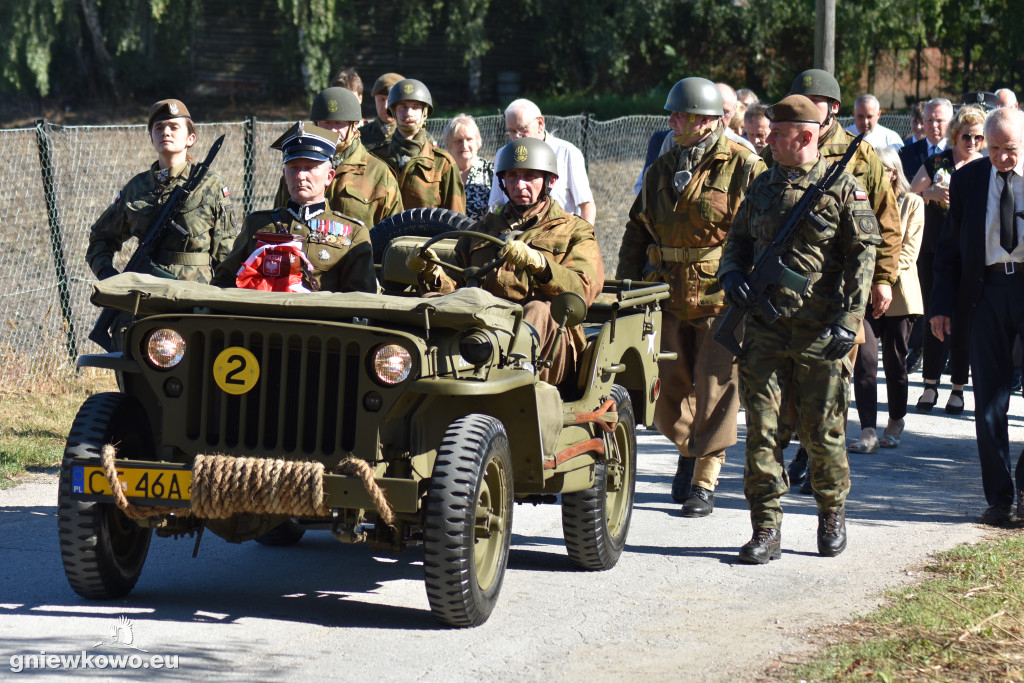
[
  {"x": 303, "y": 244},
  {"x": 986, "y": 100},
  {"x": 364, "y": 187},
  {"x": 378, "y": 131}
]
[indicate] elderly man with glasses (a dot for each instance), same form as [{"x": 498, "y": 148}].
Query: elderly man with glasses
[{"x": 572, "y": 188}]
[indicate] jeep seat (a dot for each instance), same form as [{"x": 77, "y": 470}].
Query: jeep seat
[{"x": 394, "y": 273}]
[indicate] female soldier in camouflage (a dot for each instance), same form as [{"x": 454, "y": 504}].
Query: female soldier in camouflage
[{"x": 206, "y": 215}]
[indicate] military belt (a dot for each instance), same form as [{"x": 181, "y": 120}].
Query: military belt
[
  {"x": 691, "y": 254},
  {"x": 183, "y": 258}
]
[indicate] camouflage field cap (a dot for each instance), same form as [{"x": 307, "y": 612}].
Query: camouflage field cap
[
  {"x": 167, "y": 109},
  {"x": 794, "y": 109},
  {"x": 383, "y": 84},
  {"x": 306, "y": 141},
  {"x": 526, "y": 153}
]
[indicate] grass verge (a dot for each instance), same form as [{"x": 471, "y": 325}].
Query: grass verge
[
  {"x": 34, "y": 424},
  {"x": 964, "y": 622}
]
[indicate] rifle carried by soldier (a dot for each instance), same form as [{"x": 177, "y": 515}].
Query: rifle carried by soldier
[
  {"x": 165, "y": 233},
  {"x": 769, "y": 271}
]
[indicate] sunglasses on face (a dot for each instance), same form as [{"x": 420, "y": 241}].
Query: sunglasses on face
[{"x": 967, "y": 137}]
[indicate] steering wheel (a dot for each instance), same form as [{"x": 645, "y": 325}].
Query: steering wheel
[{"x": 473, "y": 275}]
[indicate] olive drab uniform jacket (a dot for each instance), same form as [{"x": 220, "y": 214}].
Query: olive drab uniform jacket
[
  {"x": 567, "y": 242},
  {"x": 866, "y": 167},
  {"x": 206, "y": 215},
  {"x": 429, "y": 178},
  {"x": 375, "y": 132},
  {"x": 678, "y": 237},
  {"x": 338, "y": 248},
  {"x": 839, "y": 261},
  {"x": 363, "y": 188}
]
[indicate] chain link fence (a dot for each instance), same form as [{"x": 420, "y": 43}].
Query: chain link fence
[{"x": 58, "y": 180}]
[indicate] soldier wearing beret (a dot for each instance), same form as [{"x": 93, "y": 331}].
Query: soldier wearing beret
[
  {"x": 806, "y": 350},
  {"x": 675, "y": 234},
  {"x": 821, "y": 88},
  {"x": 304, "y": 245},
  {"x": 378, "y": 131},
  {"x": 426, "y": 175},
  {"x": 206, "y": 214},
  {"x": 364, "y": 188}
]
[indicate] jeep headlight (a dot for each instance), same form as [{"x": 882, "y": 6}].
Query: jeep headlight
[
  {"x": 164, "y": 348},
  {"x": 392, "y": 363}
]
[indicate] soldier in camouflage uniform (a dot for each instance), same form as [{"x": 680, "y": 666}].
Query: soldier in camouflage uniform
[
  {"x": 378, "y": 131},
  {"x": 822, "y": 88},
  {"x": 364, "y": 188},
  {"x": 806, "y": 350},
  {"x": 555, "y": 252},
  {"x": 335, "y": 249},
  {"x": 675, "y": 234},
  {"x": 426, "y": 175},
  {"x": 206, "y": 214}
]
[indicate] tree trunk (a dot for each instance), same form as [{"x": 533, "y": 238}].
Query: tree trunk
[{"x": 103, "y": 58}]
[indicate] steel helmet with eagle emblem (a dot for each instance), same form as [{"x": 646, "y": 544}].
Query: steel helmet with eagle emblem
[{"x": 526, "y": 153}]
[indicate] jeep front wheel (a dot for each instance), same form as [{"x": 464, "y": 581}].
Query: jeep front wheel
[
  {"x": 595, "y": 522},
  {"x": 468, "y": 523},
  {"x": 102, "y": 550}
]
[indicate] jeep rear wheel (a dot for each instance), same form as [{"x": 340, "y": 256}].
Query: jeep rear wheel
[
  {"x": 595, "y": 522},
  {"x": 103, "y": 551},
  {"x": 468, "y": 523}
]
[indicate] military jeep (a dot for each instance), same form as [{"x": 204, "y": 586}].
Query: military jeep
[{"x": 392, "y": 419}]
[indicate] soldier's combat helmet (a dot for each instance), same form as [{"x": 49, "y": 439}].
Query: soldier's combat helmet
[
  {"x": 335, "y": 104},
  {"x": 529, "y": 154},
  {"x": 695, "y": 95},
  {"x": 409, "y": 89},
  {"x": 816, "y": 82}
]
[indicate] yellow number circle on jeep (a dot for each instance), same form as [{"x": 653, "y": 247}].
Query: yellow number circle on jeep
[{"x": 236, "y": 370}]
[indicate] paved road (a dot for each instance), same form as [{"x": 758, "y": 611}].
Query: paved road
[{"x": 677, "y": 606}]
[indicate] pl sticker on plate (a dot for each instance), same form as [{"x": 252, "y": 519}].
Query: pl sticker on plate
[{"x": 236, "y": 370}]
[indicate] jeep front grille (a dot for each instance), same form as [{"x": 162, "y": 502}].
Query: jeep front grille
[{"x": 304, "y": 403}]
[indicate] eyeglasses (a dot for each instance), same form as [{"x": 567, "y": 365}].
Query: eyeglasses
[
  {"x": 967, "y": 137},
  {"x": 523, "y": 132},
  {"x": 936, "y": 121}
]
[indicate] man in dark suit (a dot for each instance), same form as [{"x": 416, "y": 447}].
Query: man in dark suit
[
  {"x": 937, "y": 115},
  {"x": 979, "y": 274}
]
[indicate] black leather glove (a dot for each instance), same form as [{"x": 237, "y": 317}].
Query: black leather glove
[
  {"x": 107, "y": 271},
  {"x": 840, "y": 343},
  {"x": 737, "y": 291}
]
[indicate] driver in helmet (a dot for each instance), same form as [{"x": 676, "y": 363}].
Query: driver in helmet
[{"x": 547, "y": 251}]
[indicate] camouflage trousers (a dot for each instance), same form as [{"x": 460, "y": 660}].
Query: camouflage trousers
[
  {"x": 777, "y": 359},
  {"x": 699, "y": 395}
]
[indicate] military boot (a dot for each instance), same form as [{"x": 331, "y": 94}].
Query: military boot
[
  {"x": 700, "y": 503},
  {"x": 832, "y": 532},
  {"x": 764, "y": 545},
  {"x": 681, "y": 482}
]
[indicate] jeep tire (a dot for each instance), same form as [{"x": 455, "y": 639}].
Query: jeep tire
[
  {"x": 468, "y": 521},
  {"x": 103, "y": 551},
  {"x": 595, "y": 522},
  {"x": 420, "y": 222}
]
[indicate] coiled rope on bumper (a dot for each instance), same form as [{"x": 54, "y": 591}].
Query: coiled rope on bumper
[{"x": 224, "y": 486}]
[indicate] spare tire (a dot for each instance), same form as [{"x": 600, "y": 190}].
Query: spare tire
[{"x": 420, "y": 222}]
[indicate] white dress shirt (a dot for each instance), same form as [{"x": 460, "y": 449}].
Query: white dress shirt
[{"x": 994, "y": 252}]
